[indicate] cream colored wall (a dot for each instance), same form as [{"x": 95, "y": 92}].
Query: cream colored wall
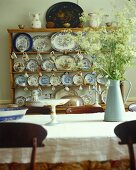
[{"x": 14, "y": 12}]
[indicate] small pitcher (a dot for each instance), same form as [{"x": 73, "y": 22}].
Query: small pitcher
[
  {"x": 94, "y": 20},
  {"x": 36, "y": 23}
]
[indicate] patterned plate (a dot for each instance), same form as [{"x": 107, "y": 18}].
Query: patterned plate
[
  {"x": 20, "y": 101},
  {"x": 19, "y": 66},
  {"x": 33, "y": 80},
  {"x": 48, "y": 65},
  {"x": 44, "y": 80},
  {"x": 62, "y": 41},
  {"x": 21, "y": 80},
  {"x": 41, "y": 43},
  {"x": 67, "y": 79},
  {"x": 22, "y": 42},
  {"x": 90, "y": 78},
  {"x": 32, "y": 65},
  {"x": 65, "y": 62}
]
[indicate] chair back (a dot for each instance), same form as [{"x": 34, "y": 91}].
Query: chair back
[
  {"x": 18, "y": 135},
  {"x": 83, "y": 109},
  {"x": 127, "y": 133}
]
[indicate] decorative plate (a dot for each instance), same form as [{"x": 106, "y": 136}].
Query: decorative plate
[
  {"x": 102, "y": 80},
  {"x": 19, "y": 66},
  {"x": 64, "y": 12},
  {"x": 48, "y": 65},
  {"x": 32, "y": 65},
  {"x": 90, "y": 78},
  {"x": 41, "y": 43},
  {"x": 63, "y": 41},
  {"x": 85, "y": 64},
  {"x": 65, "y": 62},
  {"x": 78, "y": 79},
  {"x": 44, "y": 80},
  {"x": 67, "y": 79},
  {"x": 20, "y": 101},
  {"x": 89, "y": 98},
  {"x": 33, "y": 80},
  {"x": 21, "y": 80},
  {"x": 22, "y": 42},
  {"x": 55, "y": 80},
  {"x": 63, "y": 92},
  {"x": 7, "y": 114}
]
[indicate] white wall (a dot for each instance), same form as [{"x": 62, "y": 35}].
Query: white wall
[{"x": 14, "y": 12}]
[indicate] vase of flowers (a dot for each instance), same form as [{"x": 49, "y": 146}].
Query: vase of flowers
[{"x": 113, "y": 50}]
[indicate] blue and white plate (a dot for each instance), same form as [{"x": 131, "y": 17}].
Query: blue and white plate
[
  {"x": 7, "y": 114},
  {"x": 63, "y": 41},
  {"x": 41, "y": 43},
  {"x": 32, "y": 65},
  {"x": 90, "y": 78},
  {"x": 67, "y": 79},
  {"x": 48, "y": 65},
  {"x": 85, "y": 64},
  {"x": 20, "y": 101},
  {"x": 21, "y": 80},
  {"x": 22, "y": 42},
  {"x": 44, "y": 80}
]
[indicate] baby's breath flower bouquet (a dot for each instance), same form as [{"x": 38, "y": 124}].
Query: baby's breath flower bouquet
[{"x": 113, "y": 49}]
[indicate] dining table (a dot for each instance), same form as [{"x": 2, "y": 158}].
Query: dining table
[{"x": 75, "y": 138}]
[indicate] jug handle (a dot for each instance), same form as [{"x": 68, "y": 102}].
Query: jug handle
[{"x": 128, "y": 92}]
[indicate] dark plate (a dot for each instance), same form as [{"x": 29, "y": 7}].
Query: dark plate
[
  {"x": 22, "y": 42},
  {"x": 64, "y": 12}
]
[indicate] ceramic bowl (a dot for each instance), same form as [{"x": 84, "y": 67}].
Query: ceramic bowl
[
  {"x": 7, "y": 114},
  {"x": 21, "y": 26}
]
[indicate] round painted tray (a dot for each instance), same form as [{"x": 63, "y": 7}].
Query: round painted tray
[
  {"x": 65, "y": 62},
  {"x": 22, "y": 42},
  {"x": 62, "y": 41},
  {"x": 41, "y": 43},
  {"x": 55, "y": 80},
  {"x": 64, "y": 12}
]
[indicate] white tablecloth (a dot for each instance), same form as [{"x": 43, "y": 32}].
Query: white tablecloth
[{"x": 77, "y": 137}]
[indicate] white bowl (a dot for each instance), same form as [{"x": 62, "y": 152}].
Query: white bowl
[{"x": 12, "y": 113}]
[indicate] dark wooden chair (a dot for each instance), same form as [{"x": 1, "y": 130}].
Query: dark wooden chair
[
  {"x": 38, "y": 110},
  {"x": 127, "y": 133},
  {"x": 19, "y": 135},
  {"x": 132, "y": 107},
  {"x": 83, "y": 109}
]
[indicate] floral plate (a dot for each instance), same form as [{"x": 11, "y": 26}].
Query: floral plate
[
  {"x": 85, "y": 64},
  {"x": 48, "y": 65},
  {"x": 22, "y": 42},
  {"x": 20, "y": 101},
  {"x": 65, "y": 62},
  {"x": 33, "y": 80},
  {"x": 67, "y": 79},
  {"x": 44, "y": 80},
  {"x": 78, "y": 79},
  {"x": 19, "y": 66},
  {"x": 90, "y": 78},
  {"x": 21, "y": 80},
  {"x": 55, "y": 80},
  {"x": 41, "y": 43},
  {"x": 102, "y": 80},
  {"x": 62, "y": 41},
  {"x": 32, "y": 65}
]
